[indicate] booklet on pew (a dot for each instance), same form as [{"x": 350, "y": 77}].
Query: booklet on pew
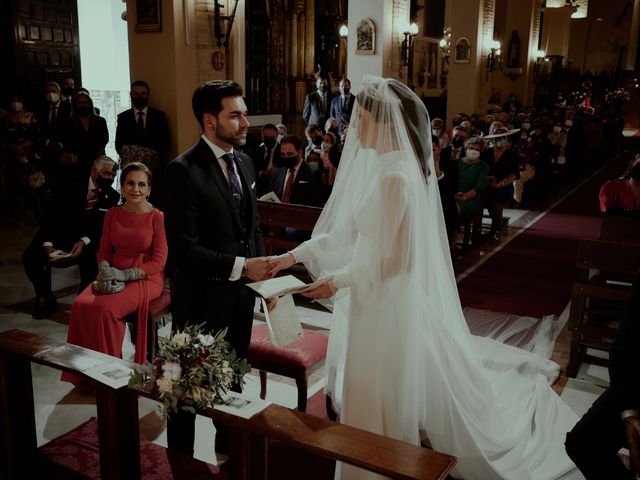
[
  {"x": 241, "y": 405},
  {"x": 270, "y": 197},
  {"x": 283, "y": 321},
  {"x": 115, "y": 375}
]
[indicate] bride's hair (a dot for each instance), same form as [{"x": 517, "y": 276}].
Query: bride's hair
[{"x": 372, "y": 100}]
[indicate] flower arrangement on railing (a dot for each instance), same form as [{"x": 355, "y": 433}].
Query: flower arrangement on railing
[{"x": 192, "y": 370}]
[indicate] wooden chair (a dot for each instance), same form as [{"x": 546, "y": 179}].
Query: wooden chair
[
  {"x": 119, "y": 434},
  {"x": 620, "y": 227},
  {"x": 605, "y": 272},
  {"x": 159, "y": 314}
]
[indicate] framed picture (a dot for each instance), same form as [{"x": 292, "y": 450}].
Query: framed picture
[
  {"x": 148, "y": 16},
  {"x": 463, "y": 50},
  {"x": 365, "y": 37},
  {"x": 432, "y": 65}
]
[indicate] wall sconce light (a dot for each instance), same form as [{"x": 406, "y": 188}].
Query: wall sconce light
[
  {"x": 540, "y": 59},
  {"x": 407, "y": 44},
  {"x": 494, "y": 60},
  {"x": 222, "y": 35},
  {"x": 344, "y": 32}
]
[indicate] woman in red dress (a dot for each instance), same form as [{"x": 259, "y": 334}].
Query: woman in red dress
[
  {"x": 132, "y": 255},
  {"x": 622, "y": 193}
]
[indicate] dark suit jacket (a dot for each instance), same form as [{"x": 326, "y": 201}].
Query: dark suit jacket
[
  {"x": 67, "y": 219},
  {"x": 86, "y": 144},
  {"x": 155, "y": 134},
  {"x": 206, "y": 232},
  {"x": 47, "y": 130},
  {"x": 306, "y": 188},
  {"x": 342, "y": 115},
  {"x": 313, "y": 113},
  {"x": 260, "y": 163},
  {"x": 448, "y": 187}
]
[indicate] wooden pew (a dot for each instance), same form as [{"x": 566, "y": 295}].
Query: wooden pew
[
  {"x": 119, "y": 429},
  {"x": 620, "y": 227},
  {"x": 277, "y": 216},
  {"x": 605, "y": 270}
]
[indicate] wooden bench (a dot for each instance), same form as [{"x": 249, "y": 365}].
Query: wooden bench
[
  {"x": 277, "y": 216},
  {"x": 605, "y": 272},
  {"x": 119, "y": 436},
  {"x": 620, "y": 227}
]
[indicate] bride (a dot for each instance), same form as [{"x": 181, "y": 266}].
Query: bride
[{"x": 401, "y": 360}]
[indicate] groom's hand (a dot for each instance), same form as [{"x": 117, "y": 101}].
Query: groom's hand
[
  {"x": 258, "y": 268},
  {"x": 281, "y": 262}
]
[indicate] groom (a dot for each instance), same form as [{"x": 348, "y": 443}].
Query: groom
[{"x": 212, "y": 227}]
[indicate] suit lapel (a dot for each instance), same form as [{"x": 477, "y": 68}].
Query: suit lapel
[{"x": 247, "y": 190}]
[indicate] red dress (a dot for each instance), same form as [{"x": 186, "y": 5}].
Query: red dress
[
  {"x": 617, "y": 194},
  {"x": 128, "y": 240}
]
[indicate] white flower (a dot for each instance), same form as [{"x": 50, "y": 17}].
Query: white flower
[
  {"x": 206, "y": 340},
  {"x": 227, "y": 372},
  {"x": 172, "y": 371},
  {"x": 164, "y": 385},
  {"x": 181, "y": 339}
]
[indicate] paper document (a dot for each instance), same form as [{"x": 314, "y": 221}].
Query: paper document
[
  {"x": 283, "y": 321},
  {"x": 279, "y": 286},
  {"x": 112, "y": 374},
  {"x": 241, "y": 405},
  {"x": 270, "y": 197},
  {"x": 59, "y": 255}
]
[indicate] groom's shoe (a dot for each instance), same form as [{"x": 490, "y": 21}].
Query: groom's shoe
[{"x": 44, "y": 307}]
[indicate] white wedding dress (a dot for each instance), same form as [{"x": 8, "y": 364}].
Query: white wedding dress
[{"x": 401, "y": 360}]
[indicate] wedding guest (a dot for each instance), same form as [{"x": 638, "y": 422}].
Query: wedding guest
[
  {"x": 330, "y": 158},
  {"x": 472, "y": 180},
  {"x": 613, "y": 421},
  {"x": 558, "y": 140},
  {"x": 342, "y": 106},
  {"x": 282, "y": 131},
  {"x": 447, "y": 175},
  {"x": 266, "y": 158},
  {"x": 437, "y": 128},
  {"x": 622, "y": 193},
  {"x": 132, "y": 255},
  {"x": 51, "y": 121},
  {"x": 503, "y": 171},
  {"x": 314, "y": 134},
  {"x": 317, "y": 105},
  {"x": 213, "y": 230},
  {"x": 73, "y": 224}
]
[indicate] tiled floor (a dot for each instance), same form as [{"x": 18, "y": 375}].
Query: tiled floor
[{"x": 59, "y": 407}]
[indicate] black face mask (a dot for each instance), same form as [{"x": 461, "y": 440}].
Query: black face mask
[
  {"x": 457, "y": 142},
  {"x": 103, "y": 182},
  {"x": 322, "y": 88},
  {"x": 139, "y": 102},
  {"x": 270, "y": 143},
  {"x": 317, "y": 141},
  {"x": 83, "y": 111},
  {"x": 68, "y": 91},
  {"x": 289, "y": 162},
  {"x": 635, "y": 172}
]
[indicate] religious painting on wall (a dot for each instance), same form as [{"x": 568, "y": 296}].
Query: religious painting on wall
[
  {"x": 432, "y": 64},
  {"x": 463, "y": 50},
  {"x": 365, "y": 37},
  {"x": 148, "y": 16}
]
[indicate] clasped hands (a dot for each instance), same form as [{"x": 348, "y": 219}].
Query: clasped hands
[
  {"x": 268, "y": 267},
  {"x": 113, "y": 280}
]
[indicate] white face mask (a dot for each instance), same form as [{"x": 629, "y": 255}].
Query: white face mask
[
  {"x": 16, "y": 106},
  {"x": 526, "y": 126},
  {"x": 568, "y": 123},
  {"x": 473, "y": 154},
  {"x": 325, "y": 147},
  {"x": 557, "y": 129},
  {"x": 501, "y": 143},
  {"x": 436, "y": 132},
  {"x": 53, "y": 98}
]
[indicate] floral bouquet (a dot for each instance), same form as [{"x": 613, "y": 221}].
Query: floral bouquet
[{"x": 193, "y": 370}]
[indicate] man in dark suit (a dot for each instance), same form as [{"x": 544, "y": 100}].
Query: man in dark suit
[
  {"x": 266, "y": 158},
  {"x": 51, "y": 120},
  {"x": 212, "y": 227},
  {"x": 342, "y": 105},
  {"x": 317, "y": 105},
  {"x": 73, "y": 224},
  {"x": 296, "y": 182},
  {"x": 144, "y": 126},
  {"x": 613, "y": 421}
]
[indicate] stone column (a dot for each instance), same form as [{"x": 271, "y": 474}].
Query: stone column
[
  {"x": 310, "y": 31},
  {"x": 294, "y": 46},
  {"x": 301, "y": 43}
]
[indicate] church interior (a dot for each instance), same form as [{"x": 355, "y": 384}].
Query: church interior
[{"x": 554, "y": 258}]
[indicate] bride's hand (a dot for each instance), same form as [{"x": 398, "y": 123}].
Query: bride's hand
[
  {"x": 281, "y": 262},
  {"x": 324, "y": 290}
]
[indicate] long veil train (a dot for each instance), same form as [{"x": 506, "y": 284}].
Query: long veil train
[{"x": 401, "y": 360}]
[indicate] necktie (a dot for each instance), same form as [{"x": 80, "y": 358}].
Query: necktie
[
  {"x": 233, "y": 178},
  {"x": 141, "y": 121},
  {"x": 52, "y": 120},
  {"x": 91, "y": 201},
  {"x": 344, "y": 104},
  {"x": 288, "y": 186}
]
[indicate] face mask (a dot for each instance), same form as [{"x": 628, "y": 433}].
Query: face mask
[
  {"x": 103, "y": 182},
  {"x": 139, "y": 102},
  {"x": 53, "y": 98},
  {"x": 501, "y": 143},
  {"x": 334, "y": 130},
  {"x": 317, "y": 141},
  {"x": 526, "y": 126},
  {"x": 473, "y": 154},
  {"x": 325, "y": 147},
  {"x": 457, "y": 142},
  {"x": 16, "y": 106},
  {"x": 269, "y": 143},
  {"x": 557, "y": 129},
  {"x": 322, "y": 88},
  {"x": 635, "y": 172},
  {"x": 289, "y": 162},
  {"x": 344, "y": 91},
  {"x": 68, "y": 91},
  {"x": 83, "y": 111},
  {"x": 568, "y": 123},
  {"x": 436, "y": 132}
]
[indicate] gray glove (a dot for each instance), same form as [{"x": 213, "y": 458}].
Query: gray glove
[
  {"x": 107, "y": 273},
  {"x": 108, "y": 286}
]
